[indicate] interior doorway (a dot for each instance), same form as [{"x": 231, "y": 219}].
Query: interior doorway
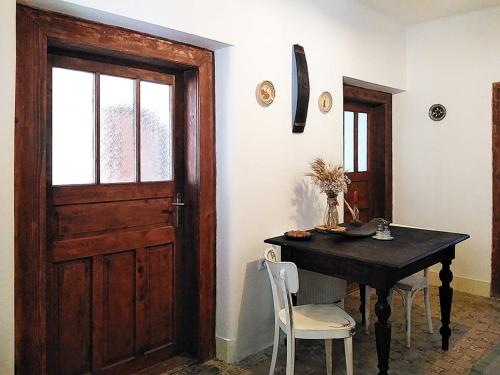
[
  {"x": 495, "y": 232},
  {"x": 114, "y": 198},
  {"x": 368, "y": 151}
]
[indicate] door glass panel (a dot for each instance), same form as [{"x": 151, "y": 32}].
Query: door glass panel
[
  {"x": 349, "y": 141},
  {"x": 156, "y": 132},
  {"x": 73, "y": 158},
  {"x": 117, "y": 130},
  {"x": 362, "y": 142}
]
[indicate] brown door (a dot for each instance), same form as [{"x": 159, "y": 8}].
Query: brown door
[
  {"x": 495, "y": 256},
  {"x": 358, "y": 158},
  {"x": 115, "y": 173}
]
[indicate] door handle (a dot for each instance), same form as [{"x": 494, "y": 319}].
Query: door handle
[{"x": 177, "y": 203}]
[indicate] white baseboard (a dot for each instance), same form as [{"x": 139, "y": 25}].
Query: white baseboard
[
  {"x": 224, "y": 349},
  {"x": 463, "y": 284}
]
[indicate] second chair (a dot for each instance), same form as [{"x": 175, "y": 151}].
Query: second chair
[{"x": 407, "y": 288}]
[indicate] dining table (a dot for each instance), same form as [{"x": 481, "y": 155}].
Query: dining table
[{"x": 380, "y": 264}]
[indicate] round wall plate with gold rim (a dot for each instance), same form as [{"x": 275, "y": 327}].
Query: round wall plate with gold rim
[
  {"x": 265, "y": 93},
  {"x": 325, "y": 102}
]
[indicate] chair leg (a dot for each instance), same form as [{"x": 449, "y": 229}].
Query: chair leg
[
  {"x": 290, "y": 355},
  {"x": 329, "y": 356},
  {"x": 275, "y": 347},
  {"x": 427, "y": 303},
  {"x": 348, "y": 355},
  {"x": 367, "y": 309},
  {"x": 407, "y": 302},
  {"x": 390, "y": 299}
]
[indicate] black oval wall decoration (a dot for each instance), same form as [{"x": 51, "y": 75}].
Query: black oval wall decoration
[{"x": 299, "y": 122}]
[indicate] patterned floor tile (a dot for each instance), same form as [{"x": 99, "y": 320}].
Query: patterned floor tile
[{"x": 475, "y": 334}]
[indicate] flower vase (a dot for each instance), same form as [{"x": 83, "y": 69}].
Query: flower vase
[{"x": 331, "y": 218}]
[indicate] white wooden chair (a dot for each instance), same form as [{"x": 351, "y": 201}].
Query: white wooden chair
[
  {"x": 306, "y": 321},
  {"x": 406, "y": 288},
  {"x": 317, "y": 288}
]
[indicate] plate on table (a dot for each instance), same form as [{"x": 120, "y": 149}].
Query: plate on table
[
  {"x": 298, "y": 235},
  {"x": 365, "y": 230},
  {"x": 325, "y": 229}
]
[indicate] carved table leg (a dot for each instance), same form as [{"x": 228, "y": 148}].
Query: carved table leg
[
  {"x": 362, "y": 288},
  {"x": 445, "y": 299},
  {"x": 383, "y": 330}
]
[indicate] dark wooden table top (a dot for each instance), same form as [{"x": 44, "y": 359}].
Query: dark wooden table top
[{"x": 410, "y": 245}]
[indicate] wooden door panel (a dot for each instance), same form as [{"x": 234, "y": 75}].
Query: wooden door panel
[
  {"x": 361, "y": 184},
  {"x": 72, "y": 307},
  {"x": 77, "y": 194},
  {"x": 111, "y": 243},
  {"x": 80, "y": 219},
  {"x": 363, "y": 189},
  {"x": 119, "y": 307},
  {"x": 159, "y": 296}
]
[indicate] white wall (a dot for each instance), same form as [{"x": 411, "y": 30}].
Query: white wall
[
  {"x": 442, "y": 170},
  {"x": 7, "y": 79},
  {"x": 261, "y": 189}
]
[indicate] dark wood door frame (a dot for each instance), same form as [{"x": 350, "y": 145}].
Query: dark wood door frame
[
  {"x": 37, "y": 31},
  {"x": 495, "y": 232},
  {"x": 382, "y": 167}
]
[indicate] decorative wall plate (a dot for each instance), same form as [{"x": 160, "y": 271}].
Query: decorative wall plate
[
  {"x": 265, "y": 93},
  {"x": 325, "y": 102},
  {"x": 437, "y": 112}
]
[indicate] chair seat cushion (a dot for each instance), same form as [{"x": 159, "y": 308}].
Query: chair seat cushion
[
  {"x": 412, "y": 282},
  {"x": 320, "y": 322}
]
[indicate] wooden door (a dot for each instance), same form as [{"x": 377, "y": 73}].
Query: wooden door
[
  {"x": 495, "y": 230},
  {"x": 358, "y": 158},
  {"x": 114, "y": 177}
]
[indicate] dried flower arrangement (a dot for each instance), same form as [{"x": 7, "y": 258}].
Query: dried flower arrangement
[{"x": 329, "y": 178}]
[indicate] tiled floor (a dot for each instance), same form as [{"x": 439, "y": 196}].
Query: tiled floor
[{"x": 474, "y": 346}]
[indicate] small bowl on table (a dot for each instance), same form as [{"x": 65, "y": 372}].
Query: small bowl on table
[{"x": 298, "y": 235}]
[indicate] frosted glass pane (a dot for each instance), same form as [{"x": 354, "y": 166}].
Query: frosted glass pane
[
  {"x": 117, "y": 131},
  {"x": 349, "y": 141},
  {"x": 156, "y": 132},
  {"x": 73, "y": 157},
  {"x": 362, "y": 142}
]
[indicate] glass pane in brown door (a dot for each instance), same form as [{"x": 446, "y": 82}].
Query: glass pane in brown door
[
  {"x": 362, "y": 142},
  {"x": 156, "y": 132},
  {"x": 117, "y": 130},
  {"x": 349, "y": 141},
  {"x": 72, "y": 127}
]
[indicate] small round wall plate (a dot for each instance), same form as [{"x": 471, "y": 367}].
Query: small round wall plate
[
  {"x": 325, "y": 102},
  {"x": 437, "y": 112},
  {"x": 265, "y": 93}
]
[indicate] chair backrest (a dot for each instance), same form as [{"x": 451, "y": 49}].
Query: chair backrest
[{"x": 284, "y": 280}]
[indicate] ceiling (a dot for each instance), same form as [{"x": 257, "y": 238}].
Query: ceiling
[{"x": 410, "y": 12}]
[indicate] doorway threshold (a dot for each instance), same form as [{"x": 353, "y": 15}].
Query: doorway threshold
[{"x": 170, "y": 366}]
